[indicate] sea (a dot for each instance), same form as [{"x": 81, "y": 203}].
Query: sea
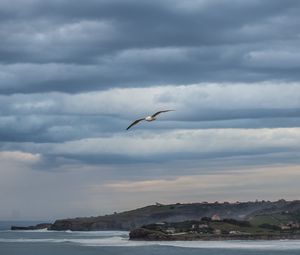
[{"x": 46, "y": 242}]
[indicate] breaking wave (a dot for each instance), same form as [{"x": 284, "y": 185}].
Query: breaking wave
[{"x": 120, "y": 239}]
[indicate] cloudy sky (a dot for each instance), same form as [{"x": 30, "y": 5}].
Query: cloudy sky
[{"x": 74, "y": 74}]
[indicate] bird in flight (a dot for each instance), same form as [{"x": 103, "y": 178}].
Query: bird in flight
[{"x": 148, "y": 118}]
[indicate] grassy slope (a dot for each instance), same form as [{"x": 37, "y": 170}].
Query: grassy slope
[
  {"x": 275, "y": 219},
  {"x": 177, "y": 213}
]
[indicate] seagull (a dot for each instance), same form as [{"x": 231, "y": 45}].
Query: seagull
[{"x": 148, "y": 118}]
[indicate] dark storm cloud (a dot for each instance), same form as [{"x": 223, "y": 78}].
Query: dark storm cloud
[
  {"x": 61, "y": 117},
  {"x": 93, "y": 45},
  {"x": 75, "y": 74},
  {"x": 270, "y": 146},
  {"x": 76, "y": 47}
]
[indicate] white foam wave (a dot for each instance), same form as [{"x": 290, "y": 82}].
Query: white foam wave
[
  {"x": 98, "y": 233},
  {"x": 82, "y": 233},
  {"x": 253, "y": 245},
  {"x": 111, "y": 241},
  {"x": 122, "y": 241},
  {"x": 257, "y": 245},
  {"x": 27, "y": 231},
  {"x": 32, "y": 231}
]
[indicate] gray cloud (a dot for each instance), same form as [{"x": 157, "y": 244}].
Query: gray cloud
[
  {"x": 95, "y": 45},
  {"x": 147, "y": 148},
  {"x": 74, "y": 74},
  {"x": 60, "y": 117}
]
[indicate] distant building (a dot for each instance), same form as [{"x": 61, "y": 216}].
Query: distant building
[
  {"x": 215, "y": 217},
  {"x": 295, "y": 225},
  {"x": 203, "y": 226},
  {"x": 290, "y": 225},
  {"x": 285, "y": 227},
  {"x": 217, "y": 232},
  {"x": 170, "y": 230}
]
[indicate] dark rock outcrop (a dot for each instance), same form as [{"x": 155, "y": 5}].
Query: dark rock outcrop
[
  {"x": 207, "y": 229},
  {"x": 142, "y": 234},
  {"x": 149, "y": 235},
  {"x": 36, "y": 227}
]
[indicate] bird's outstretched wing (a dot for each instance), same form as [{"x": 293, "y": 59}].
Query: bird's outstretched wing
[
  {"x": 155, "y": 114},
  {"x": 134, "y": 123}
]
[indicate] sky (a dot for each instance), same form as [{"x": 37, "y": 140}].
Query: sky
[{"x": 75, "y": 74}]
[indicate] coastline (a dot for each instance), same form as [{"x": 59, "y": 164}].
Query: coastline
[
  {"x": 227, "y": 238},
  {"x": 146, "y": 235}
]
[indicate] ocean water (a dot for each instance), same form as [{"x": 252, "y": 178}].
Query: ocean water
[{"x": 116, "y": 242}]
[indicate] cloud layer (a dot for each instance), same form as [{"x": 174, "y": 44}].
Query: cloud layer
[
  {"x": 96, "y": 45},
  {"x": 74, "y": 75}
]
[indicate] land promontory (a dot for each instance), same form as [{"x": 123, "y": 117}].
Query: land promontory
[
  {"x": 263, "y": 216},
  {"x": 137, "y": 218}
]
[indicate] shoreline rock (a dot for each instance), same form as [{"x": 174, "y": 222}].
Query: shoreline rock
[
  {"x": 142, "y": 234},
  {"x": 36, "y": 227}
]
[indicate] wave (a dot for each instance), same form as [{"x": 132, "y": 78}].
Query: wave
[
  {"x": 253, "y": 245},
  {"x": 98, "y": 233},
  {"x": 124, "y": 241},
  {"x": 120, "y": 238},
  {"x": 111, "y": 241},
  {"x": 88, "y": 233},
  {"x": 25, "y": 231}
]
